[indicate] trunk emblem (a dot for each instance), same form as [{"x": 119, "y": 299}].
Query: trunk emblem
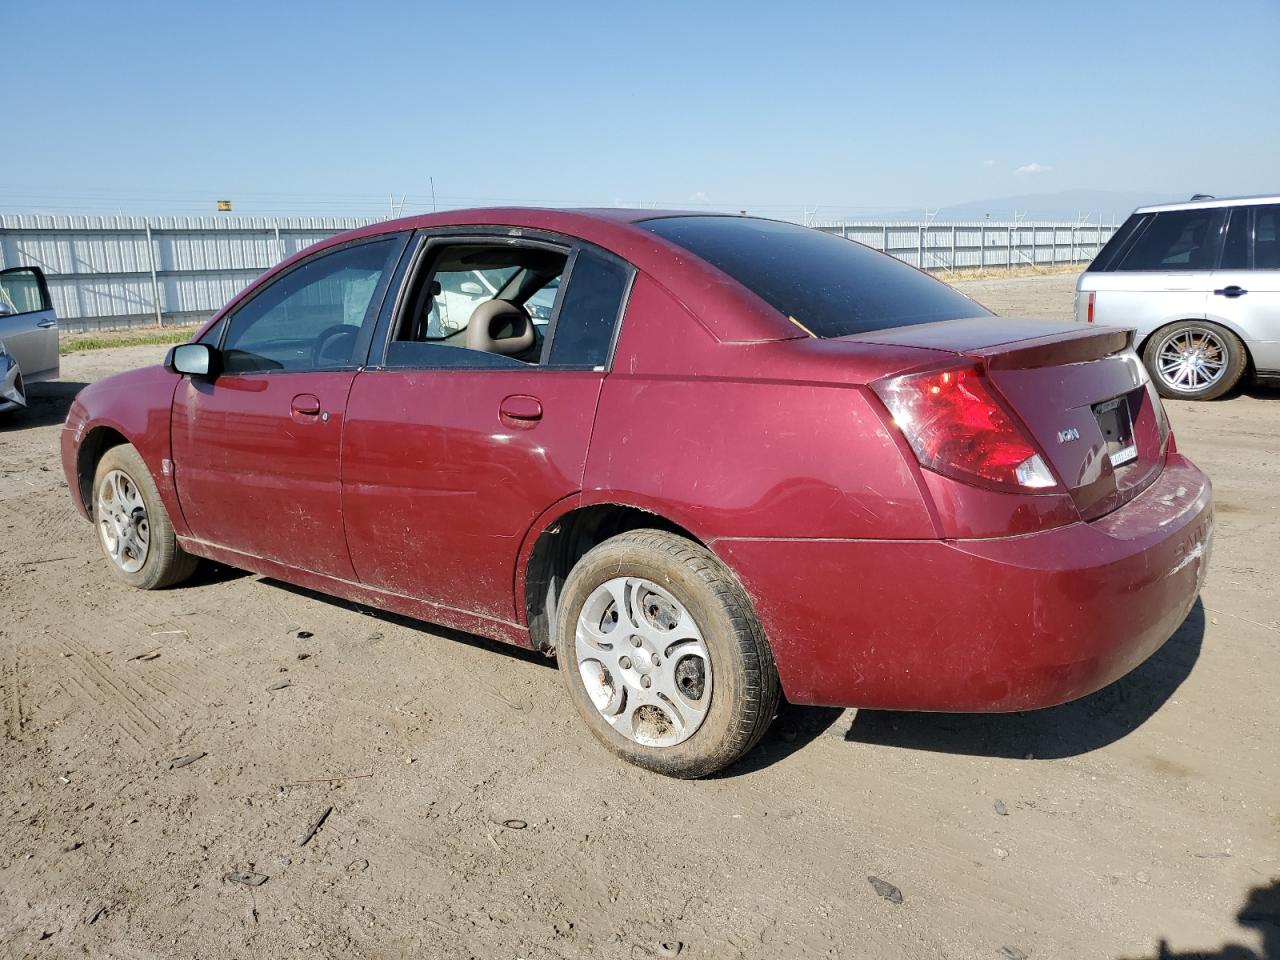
[{"x": 1066, "y": 436}]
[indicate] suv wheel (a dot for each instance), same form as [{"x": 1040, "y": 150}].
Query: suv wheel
[
  {"x": 663, "y": 655},
  {"x": 1194, "y": 360}
]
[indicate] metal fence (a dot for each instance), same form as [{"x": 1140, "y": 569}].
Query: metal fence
[
  {"x": 948, "y": 247},
  {"x": 107, "y": 272}
]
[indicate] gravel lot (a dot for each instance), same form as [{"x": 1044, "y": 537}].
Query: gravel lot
[{"x": 472, "y": 815}]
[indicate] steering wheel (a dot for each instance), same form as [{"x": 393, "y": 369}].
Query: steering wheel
[{"x": 334, "y": 345}]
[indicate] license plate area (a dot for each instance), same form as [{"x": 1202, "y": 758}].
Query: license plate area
[{"x": 1115, "y": 419}]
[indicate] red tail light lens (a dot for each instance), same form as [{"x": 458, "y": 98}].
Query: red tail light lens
[
  {"x": 955, "y": 427},
  {"x": 1089, "y": 307}
]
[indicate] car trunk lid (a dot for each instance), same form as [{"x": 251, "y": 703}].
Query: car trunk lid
[{"x": 1082, "y": 394}]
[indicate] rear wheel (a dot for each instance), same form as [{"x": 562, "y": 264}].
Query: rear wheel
[
  {"x": 1194, "y": 360},
  {"x": 663, "y": 656},
  {"x": 133, "y": 528}
]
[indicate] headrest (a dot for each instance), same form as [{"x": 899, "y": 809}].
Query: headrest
[{"x": 499, "y": 326}]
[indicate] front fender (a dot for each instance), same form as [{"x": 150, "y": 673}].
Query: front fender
[{"x": 134, "y": 408}]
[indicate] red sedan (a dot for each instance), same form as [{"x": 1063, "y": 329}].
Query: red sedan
[{"x": 703, "y": 460}]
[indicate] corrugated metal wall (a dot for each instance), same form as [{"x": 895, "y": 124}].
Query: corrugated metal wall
[
  {"x": 129, "y": 271},
  {"x": 944, "y": 247},
  {"x": 100, "y": 269}
]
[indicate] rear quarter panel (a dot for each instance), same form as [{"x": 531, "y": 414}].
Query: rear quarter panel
[
  {"x": 730, "y": 440},
  {"x": 1146, "y": 301}
]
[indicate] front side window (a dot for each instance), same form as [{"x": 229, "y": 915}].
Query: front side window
[
  {"x": 22, "y": 290},
  {"x": 311, "y": 317},
  {"x": 1176, "y": 240},
  {"x": 830, "y": 286}
]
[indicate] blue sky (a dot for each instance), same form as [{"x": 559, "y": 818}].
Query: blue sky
[{"x": 846, "y": 108}]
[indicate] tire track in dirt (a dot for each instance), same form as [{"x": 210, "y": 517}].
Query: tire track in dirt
[
  {"x": 16, "y": 707},
  {"x": 137, "y": 714}
]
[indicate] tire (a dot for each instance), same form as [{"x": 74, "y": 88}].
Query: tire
[
  {"x": 680, "y": 600},
  {"x": 1223, "y": 360},
  {"x": 141, "y": 548}
]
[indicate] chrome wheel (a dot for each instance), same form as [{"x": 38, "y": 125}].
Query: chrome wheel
[
  {"x": 643, "y": 661},
  {"x": 122, "y": 521},
  {"x": 1191, "y": 359}
]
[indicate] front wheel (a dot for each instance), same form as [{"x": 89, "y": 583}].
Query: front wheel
[
  {"x": 1194, "y": 360},
  {"x": 663, "y": 656},
  {"x": 134, "y": 530}
]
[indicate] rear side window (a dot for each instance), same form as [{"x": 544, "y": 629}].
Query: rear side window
[
  {"x": 831, "y": 286},
  {"x": 1176, "y": 240},
  {"x": 1266, "y": 237},
  {"x": 1235, "y": 242},
  {"x": 592, "y": 302}
]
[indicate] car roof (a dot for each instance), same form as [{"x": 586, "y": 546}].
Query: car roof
[
  {"x": 726, "y": 308},
  {"x": 1209, "y": 204}
]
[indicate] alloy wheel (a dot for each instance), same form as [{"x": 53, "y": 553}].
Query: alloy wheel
[{"x": 1191, "y": 359}]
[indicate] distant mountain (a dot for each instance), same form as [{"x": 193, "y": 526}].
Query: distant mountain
[{"x": 1112, "y": 205}]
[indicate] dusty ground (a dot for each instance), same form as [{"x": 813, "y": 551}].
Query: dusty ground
[{"x": 474, "y": 817}]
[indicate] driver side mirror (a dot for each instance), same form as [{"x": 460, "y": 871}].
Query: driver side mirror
[{"x": 194, "y": 359}]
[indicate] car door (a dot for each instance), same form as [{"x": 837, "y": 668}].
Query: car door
[
  {"x": 256, "y": 448},
  {"x": 1246, "y": 285},
  {"x": 451, "y": 453},
  {"x": 28, "y": 325},
  {"x": 1165, "y": 273}
]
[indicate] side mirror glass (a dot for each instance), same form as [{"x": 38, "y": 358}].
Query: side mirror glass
[{"x": 193, "y": 359}]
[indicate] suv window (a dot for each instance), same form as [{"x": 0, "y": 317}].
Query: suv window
[
  {"x": 831, "y": 286},
  {"x": 1235, "y": 242},
  {"x": 1176, "y": 240},
  {"x": 310, "y": 318},
  {"x": 1266, "y": 237}
]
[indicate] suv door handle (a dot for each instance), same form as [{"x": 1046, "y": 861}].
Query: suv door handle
[
  {"x": 46, "y": 324},
  {"x": 519, "y": 410},
  {"x": 1231, "y": 291},
  {"x": 305, "y": 405}
]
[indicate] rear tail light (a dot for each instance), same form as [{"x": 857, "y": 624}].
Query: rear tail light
[
  {"x": 1088, "y": 308},
  {"x": 956, "y": 427}
]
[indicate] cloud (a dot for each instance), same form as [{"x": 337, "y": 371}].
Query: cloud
[
  {"x": 1034, "y": 168},
  {"x": 988, "y": 163},
  {"x": 699, "y": 197}
]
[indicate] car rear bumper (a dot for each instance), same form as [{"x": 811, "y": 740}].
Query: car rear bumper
[{"x": 982, "y": 625}]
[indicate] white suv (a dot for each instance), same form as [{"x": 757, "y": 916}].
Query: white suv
[{"x": 1201, "y": 283}]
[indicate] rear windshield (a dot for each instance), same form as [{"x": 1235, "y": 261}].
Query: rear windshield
[{"x": 831, "y": 286}]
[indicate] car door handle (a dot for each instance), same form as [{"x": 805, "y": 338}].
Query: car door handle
[
  {"x": 46, "y": 324},
  {"x": 520, "y": 411},
  {"x": 305, "y": 405},
  {"x": 1231, "y": 291}
]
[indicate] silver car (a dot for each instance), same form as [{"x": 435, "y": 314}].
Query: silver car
[
  {"x": 1201, "y": 283},
  {"x": 28, "y": 332}
]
